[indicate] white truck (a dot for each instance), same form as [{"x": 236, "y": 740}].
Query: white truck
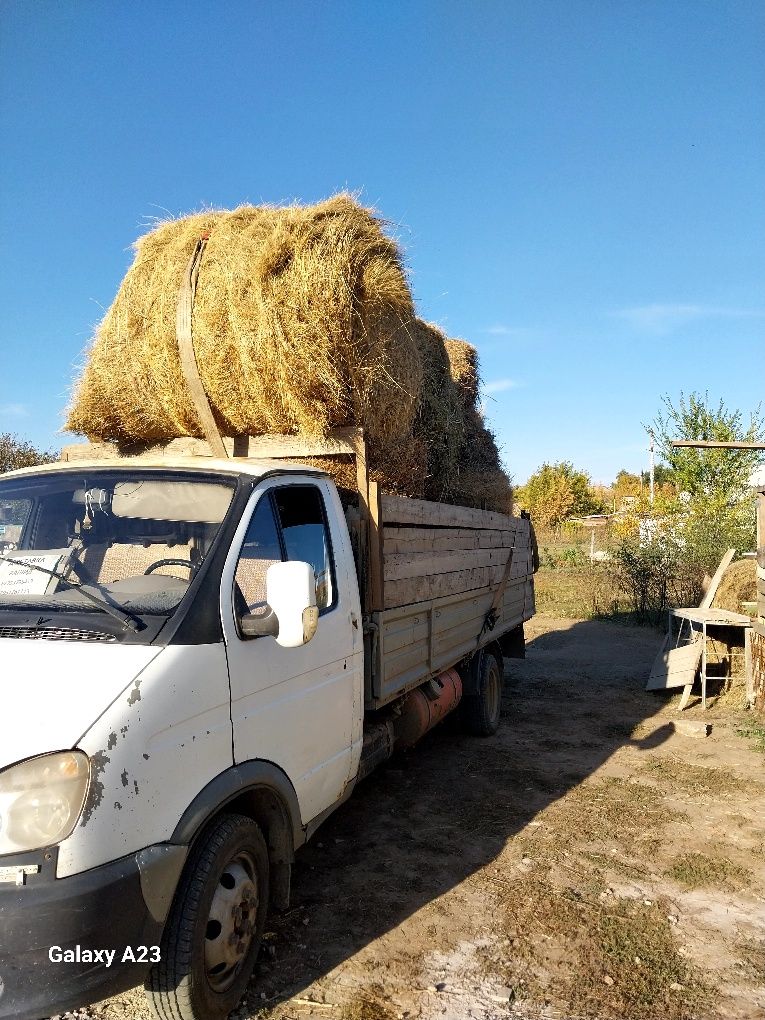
[{"x": 200, "y": 659}]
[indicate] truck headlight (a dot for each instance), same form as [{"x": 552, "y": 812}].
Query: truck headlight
[{"x": 41, "y": 800}]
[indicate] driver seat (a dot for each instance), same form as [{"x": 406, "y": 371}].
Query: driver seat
[{"x": 114, "y": 562}]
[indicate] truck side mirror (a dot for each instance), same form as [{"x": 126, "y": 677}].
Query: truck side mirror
[{"x": 291, "y": 597}]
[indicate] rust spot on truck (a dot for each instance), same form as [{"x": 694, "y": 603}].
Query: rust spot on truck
[
  {"x": 112, "y": 742},
  {"x": 124, "y": 778},
  {"x": 98, "y": 763},
  {"x": 135, "y": 786},
  {"x": 135, "y": 694}
]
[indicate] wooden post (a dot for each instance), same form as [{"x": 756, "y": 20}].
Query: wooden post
[
  {"x": 377, "y": 603},
  {"x": 748, "y": 668}
]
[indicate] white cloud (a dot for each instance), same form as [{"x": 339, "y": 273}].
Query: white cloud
[
  {"x": 14, "y": 411},
  {"x": 663, "y": 318},
  {"x": 500, "y": 385}
]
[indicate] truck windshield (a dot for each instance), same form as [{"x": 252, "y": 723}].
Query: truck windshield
[{"x": 133, "y": 538}]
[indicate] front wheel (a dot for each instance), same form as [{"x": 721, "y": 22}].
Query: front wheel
[
  {"x": 212, "y": 936},
  {"x": 480, "y": 711}
]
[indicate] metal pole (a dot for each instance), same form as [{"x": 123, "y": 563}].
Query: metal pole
[{"x": 652, "y": 466}]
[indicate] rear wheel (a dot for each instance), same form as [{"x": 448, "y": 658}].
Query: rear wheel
[
  {"x": 212, "y": 936},
  {"x": 480, "y": 711}
]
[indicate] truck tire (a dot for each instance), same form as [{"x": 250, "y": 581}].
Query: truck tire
[
  {"x": 480, "y": 712},
  {"x": 203, "y": 970}
]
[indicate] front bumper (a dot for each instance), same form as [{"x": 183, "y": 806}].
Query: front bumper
[{"x": 104, "y": 909}]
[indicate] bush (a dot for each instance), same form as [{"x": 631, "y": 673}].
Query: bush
[
  {"x": 645, "y": 573},
  {"x": 17, "y": 453}
]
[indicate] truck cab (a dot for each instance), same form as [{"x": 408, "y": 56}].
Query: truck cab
[{"x": 146, "y": 689}]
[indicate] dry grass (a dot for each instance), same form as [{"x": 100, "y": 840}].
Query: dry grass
[
  {"x": 570, "y": 937},
  {"x": 607, "y": 809},
  {"x": 593, "y": 952},
  {"x": 695, "y": 870},
  {"x": 579, "y": 592},
  {"x": 366, "y": 1007},
  {"x": 672, "y": 775}
]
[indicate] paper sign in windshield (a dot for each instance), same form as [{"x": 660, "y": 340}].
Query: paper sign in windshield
[{"x": 19, "y": 579}]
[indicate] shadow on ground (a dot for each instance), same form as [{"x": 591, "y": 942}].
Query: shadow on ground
[{"x": 431, "y": 818}]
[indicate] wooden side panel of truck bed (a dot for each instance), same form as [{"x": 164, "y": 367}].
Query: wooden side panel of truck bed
[{"x": 442, "y": 566}]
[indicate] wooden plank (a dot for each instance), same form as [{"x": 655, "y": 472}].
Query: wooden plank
[
  {"x": 405, "y": 540},
  {"x": 714, "y": 584},
  {"x": 270, "y": 447},
  {"x": 375, "y": 550},
  {"x": 423, "y": 589},
  {"x": 710, "y": 444},
  {"x": 362, "y": 483},
  {"x": 675, "y": 667},
  {"x": 400, "y": 510},
  {"x": 400, "y": 567}
]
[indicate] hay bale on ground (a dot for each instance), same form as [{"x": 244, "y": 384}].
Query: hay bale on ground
[
  {"x": 302, "y": 322},
  {"x": 739, "y": 584}
]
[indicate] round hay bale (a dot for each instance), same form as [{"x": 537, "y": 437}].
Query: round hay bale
[
  {"x": 439, "y": 421},
  {"x": 481, "y": 481},
  {"x": 463, "y": 364},
  {"x": 738, "y": 584},
  {"x": 302, "y": 322}
]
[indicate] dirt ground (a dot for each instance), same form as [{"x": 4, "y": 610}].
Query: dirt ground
[{"x": 587, "y": 861}]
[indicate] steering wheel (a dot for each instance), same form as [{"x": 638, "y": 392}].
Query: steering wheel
[{"x": 171, "y": 561}]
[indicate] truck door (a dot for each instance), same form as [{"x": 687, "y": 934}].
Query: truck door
[{"x": 296, "y": 707}]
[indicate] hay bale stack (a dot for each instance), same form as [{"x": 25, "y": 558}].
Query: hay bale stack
[
  {"x": 302, "y": 322},
  {"x": 739, "y": 584}
]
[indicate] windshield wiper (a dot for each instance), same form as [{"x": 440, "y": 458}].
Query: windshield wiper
[{"x": 128, "y": 621}]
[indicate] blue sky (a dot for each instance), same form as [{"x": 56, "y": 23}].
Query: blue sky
[{"x": 578, "y": 185}]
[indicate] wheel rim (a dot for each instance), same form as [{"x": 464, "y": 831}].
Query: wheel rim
[
  {"x": 232, "y": 921},
  {"x": 493, "y": 693}
]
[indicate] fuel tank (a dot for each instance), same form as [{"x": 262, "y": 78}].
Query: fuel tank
[{"x": 426, "y": 706}]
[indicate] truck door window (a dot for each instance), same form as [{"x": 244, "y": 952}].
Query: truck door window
[
  {"x": 288, "y": 524},
  {"x": 300, "y": 510},
  {"x": 261, "y": 548}
]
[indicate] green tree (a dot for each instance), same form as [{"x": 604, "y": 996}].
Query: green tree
[
  {"x": 18, "y": 453},
  {"x": 718, "y": 475},
  {"x": 717, "y": 510},
  {"x": 626, "y": 484},
  {"x": 557, "y": 491},
  {"x": 662, "y": 476}
]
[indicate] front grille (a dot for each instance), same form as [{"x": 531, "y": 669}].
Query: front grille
[{"x": 55, "y": 634}]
